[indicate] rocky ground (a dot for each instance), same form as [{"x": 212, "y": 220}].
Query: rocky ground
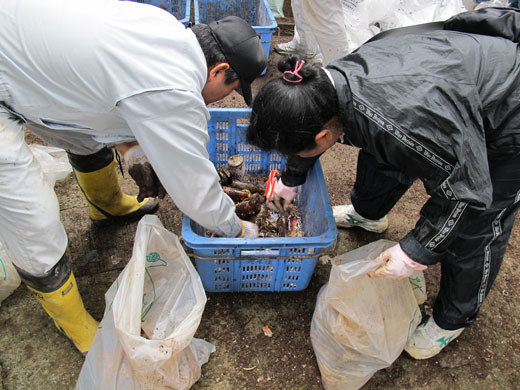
[{"x": 33, "y": 355}]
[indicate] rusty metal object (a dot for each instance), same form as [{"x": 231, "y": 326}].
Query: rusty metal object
[
  {"x": 237, "y": 167},
  {"x": 247, "y": 186},
  {"x": 236, "y": 195},
  {"x": 249, "y": 207},
  {"x": 225, "y": 176}
]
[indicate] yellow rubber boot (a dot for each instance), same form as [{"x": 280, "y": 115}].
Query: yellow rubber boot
[
  {"x": 106, "y": 201},
  {"x": 65, "y": 307}
]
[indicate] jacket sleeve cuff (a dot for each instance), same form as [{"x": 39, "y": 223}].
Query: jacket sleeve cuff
[
  {"x": 234, "y": 229},
  {"x": 293, "y": 181},
  {"x": 417, "y": 252},
  {"x": 296, "y": 168}
]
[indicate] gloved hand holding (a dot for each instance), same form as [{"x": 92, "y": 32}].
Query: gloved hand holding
[
  {"x": 398, "y": 264},
  {"x": 143, "y": 174},
  {"x": 248, "y": 229},
  {"x": 283, "y": 195}
]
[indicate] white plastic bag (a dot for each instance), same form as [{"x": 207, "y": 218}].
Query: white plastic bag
[
  {"x": 366, "y": 18},
  {"x": 361, "y": 324},
  {"x": 421, "y": 11},
  {"x": 492, "y": 3},
  {"x": 361, "y": 16},
  {"x": 418, "y": 284},
  {"x": 54, "y": 161},
  {"x": 9, "y": 278},
  {"x": 153, "y": 309}
]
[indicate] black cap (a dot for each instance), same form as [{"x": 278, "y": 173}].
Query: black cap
[{"x": 242, "y": 48}]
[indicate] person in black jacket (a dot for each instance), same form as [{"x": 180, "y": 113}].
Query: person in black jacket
[{"x": 439, "y": 103}]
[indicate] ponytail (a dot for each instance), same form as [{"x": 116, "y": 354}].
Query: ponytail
[{"x": 289, "y": 111}]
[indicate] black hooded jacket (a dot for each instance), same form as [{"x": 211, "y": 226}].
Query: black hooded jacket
[{"x": 434, "y": 105}]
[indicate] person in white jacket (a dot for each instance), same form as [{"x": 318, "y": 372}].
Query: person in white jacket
[
  {"x": 85, "y": 75},
  {"x": 335, "y": 28}
]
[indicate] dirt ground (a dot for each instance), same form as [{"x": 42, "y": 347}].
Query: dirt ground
[{"x": 33, "y": 355}]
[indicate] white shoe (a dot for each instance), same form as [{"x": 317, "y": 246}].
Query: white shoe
[
  {"x": 285, "y": 48},
  {"x": 428, "y": 340},
  {"x": 346, "y": 217},
  {"x": 290, "y": 48}
]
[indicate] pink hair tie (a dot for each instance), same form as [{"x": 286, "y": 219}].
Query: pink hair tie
[{"x": 297, "y": 68}]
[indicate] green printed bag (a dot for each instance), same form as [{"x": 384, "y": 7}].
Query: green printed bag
[
  {"x": 153, "y": 309},
  {"x": 9, "y": 278}
]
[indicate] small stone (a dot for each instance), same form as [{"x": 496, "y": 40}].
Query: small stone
[{"x": 89, "y": 257}]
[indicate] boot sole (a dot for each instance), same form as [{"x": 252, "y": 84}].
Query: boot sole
[
  {"x": 149, "y": 208},
  {"x": 349, "y": 225},
  {"x": 417, "y": 355},
  {"x": 282, "y": 52}
]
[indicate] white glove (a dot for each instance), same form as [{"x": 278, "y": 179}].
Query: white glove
[
  {"x": 283, "y": 195},
  {"x": 248, "y": 229},
  {"x": 143, "y": 174},
  {"x": 398, "y": 264}
]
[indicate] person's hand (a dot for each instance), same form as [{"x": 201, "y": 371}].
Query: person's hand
[
  {"x": 283, "y": 195},
  {"x": 143, "y": 174},
  {"x": 248, "y": 229},
  {"x": 398, "y": 265}
]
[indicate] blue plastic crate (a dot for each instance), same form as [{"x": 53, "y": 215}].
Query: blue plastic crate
[
  {"x": 178, "y": 8},
  {"x": 257, "y": 13},
  {"x": 262, "y": 264}
]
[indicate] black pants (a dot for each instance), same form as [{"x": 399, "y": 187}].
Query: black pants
[{"x": 473, "y": 259}]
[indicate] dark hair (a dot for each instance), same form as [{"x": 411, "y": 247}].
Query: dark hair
[
  {"x": 212, "y": 51},
  {"x": 287, "y": 115}
]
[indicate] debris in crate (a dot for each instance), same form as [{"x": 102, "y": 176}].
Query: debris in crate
[
  {"x": 267, "y": 221},
  {"x": 253, "y": 188},
  {"x": 235, "y": 194},
  {"x": 236, "y": 167},
  {"x": 295, "y": 222},
  {"x": 282, "y": 224},
  {"x": 249, "y": 207},
  {"x": 247, "y": 190},
  {"x": 273, "y": 224},
  {"x": 225, "y": 176}
]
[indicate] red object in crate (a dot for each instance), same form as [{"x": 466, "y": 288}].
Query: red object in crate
[{"x": 269, "y": 187}]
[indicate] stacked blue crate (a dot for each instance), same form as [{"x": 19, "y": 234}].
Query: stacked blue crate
[
  {"x": 257, "y": 13},
  {"x": 178, "y": 8}
]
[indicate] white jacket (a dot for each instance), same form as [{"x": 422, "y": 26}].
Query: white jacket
[{"x": 117, "y": 70}]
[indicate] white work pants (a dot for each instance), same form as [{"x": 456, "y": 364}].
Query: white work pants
[
  {"x": 325, "y": 18},
  {"x": 341, "y": 26},
  {"x": 303, "y": 40},
  {"x": 70, "y": 140},
  {"x": 30, "y": 227}
]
